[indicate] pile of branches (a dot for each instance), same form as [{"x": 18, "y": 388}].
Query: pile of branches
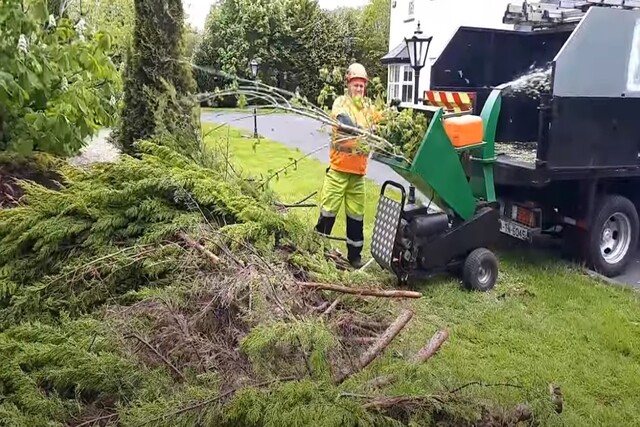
[{"x": 155, "y": 291}]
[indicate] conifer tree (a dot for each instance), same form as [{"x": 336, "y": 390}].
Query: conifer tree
[{"x": 159, "y": 85}]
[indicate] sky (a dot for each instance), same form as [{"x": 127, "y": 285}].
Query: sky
[{"x": 197, "y": 10}]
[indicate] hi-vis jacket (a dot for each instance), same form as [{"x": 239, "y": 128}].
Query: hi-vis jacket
[{"x": 343, "y": 156}]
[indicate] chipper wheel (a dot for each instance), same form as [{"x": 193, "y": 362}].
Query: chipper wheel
[{"x": 480, "y": 270}]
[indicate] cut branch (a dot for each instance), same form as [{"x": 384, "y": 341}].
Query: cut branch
[
  {"x": 361, "y": 291},
  {"x": 331, "y": 308},
  {"x": 383, "y": 403},
  {"x": 421, "y": 356},
  {"x": 431, "y": 348},
  {"x": 195, "y": 245},
  {"x": 385, "y": 339},
  {"x": 96, "y": 420},
  {"x": 164, "y": 359}
]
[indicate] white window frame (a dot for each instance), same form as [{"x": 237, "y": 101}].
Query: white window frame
[
  {"x": 398, "y": 87},
  {"x": 394, "y": 81},
  {"x": 407, "y": 84}
]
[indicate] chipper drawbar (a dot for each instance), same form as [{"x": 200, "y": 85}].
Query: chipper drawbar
[{"x": 415, "y": 242}]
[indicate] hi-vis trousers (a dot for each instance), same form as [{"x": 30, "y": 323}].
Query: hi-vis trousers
[{"x": 349, "y": 188}]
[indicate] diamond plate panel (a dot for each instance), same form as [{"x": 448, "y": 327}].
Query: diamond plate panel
[{"x": 385, "y": 229}]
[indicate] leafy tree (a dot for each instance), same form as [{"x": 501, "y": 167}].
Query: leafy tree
[
  {"x": 295, "y": 39},
  {"x": 158, "y": 82},
  {"x": 373, "y": 36},
  {"x": 58, "y": 85},
  {"x": 191, "y": 39},
  {"x": 114, "y": 17},
  {"x": 314, "y": 44}
]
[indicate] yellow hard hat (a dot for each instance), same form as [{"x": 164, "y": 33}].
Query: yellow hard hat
[{"x": 356, "y": 71}]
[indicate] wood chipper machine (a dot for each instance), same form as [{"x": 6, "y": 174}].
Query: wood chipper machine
[{"x": 416, "y": 242}]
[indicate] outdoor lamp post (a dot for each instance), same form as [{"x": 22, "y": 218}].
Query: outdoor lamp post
[
  {"x": 417, "y": 47},
  {"x": 254, "y": 72}
]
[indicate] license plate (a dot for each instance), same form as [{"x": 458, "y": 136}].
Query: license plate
[{"x": 514, "y": 230}]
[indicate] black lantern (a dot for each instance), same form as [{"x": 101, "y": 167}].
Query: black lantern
[
  {"x": 254, "y": 68},
  {"x": 254, "y": 72},
  {"x": 417, "y": 47}
]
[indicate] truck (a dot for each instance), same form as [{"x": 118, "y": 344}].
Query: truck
[{"x": 567, "y": 138}]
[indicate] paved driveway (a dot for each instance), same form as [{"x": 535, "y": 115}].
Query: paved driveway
[{"x": 307, "y": 135}]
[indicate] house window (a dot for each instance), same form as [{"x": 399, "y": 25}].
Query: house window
[
  {"x": 411, "y": 8},
  {"x": 400, "y": 83},
  {"x": 393, "y": 84},
  {"x": 407, "y": 85}
]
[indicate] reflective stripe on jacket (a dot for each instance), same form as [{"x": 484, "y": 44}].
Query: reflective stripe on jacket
[{"x": 343, "y": 155}]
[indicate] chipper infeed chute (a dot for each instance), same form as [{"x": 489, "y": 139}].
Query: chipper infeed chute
[{"x": 413, "y": 241}]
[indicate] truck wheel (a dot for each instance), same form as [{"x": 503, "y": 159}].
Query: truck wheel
[
  {"x": 480, "y": 270},
  {"x": 613, "y": 235}
]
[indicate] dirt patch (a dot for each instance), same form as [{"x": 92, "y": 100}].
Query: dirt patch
[{"x": 11, "y": 173}]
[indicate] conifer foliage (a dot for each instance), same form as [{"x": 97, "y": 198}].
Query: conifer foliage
[{"x": 158, "y": 83}]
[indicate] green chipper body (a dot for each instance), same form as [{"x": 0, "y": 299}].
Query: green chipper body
[
  {"x": 437, "y": 170},
  {"x": 417, "y": 242}
]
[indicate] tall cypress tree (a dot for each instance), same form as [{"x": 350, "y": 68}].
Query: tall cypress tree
[{"x": 158, "y": 82}]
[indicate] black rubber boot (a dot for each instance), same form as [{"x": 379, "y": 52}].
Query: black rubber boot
[{"x": 356, "y": 263}]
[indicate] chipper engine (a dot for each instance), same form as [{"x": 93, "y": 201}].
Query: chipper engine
[{"x": 416, "y": 242}]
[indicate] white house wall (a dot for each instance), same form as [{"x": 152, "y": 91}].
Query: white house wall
[{"x": 441, "y": 19}]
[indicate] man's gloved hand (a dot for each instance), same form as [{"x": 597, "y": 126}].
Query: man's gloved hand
[{"x": 344, "y": 119}]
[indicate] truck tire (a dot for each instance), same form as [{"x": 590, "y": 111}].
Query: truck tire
[
  {"x": 613, "y": 235},
  {"x": 480, "y": 270}
]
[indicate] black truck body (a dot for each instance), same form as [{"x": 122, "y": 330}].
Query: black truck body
[{"x": 584, "y": 182}]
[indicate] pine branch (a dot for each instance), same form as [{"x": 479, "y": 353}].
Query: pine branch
[
  {"x": 360, "y": 291},
  {"x": 217, "y": 398},
  {"x": 164, "y": 359}
]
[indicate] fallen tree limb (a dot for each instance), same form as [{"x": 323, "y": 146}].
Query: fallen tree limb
[
  {"x": 431, "y": 348},
  {"x": 197, "y": 246},
  {"x": 385, "y": 339},
  {"x": 361, "y": 291}
]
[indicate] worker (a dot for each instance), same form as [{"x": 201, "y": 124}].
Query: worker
[{"x": 344, "y": 178}]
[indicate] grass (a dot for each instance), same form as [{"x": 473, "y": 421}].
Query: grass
[
  {"x": 545, "y": 322},
  {"x": 294, "y": 184}
]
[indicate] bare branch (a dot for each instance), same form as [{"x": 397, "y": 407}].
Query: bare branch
[{"x": 385, "y": 339}]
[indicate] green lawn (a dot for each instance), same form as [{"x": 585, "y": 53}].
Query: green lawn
[
  {"x": 544, "y": 323},
  {"x": 298, "y": 182}
]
